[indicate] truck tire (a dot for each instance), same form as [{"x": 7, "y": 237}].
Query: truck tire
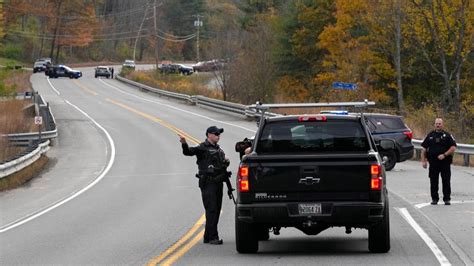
[
  {"x": 245, "y": 237},
  {"x": 379, "y": 235},
  {"x": 392, "y": 159},
  {"x": 262, "y": 233}
]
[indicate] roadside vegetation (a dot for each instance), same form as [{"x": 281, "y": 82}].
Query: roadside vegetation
[
  {"x": 413, "y": 58},
  {"x": 14, "y": 116}
]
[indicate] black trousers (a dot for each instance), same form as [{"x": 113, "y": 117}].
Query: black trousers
[
  {"x": 211, "y": 193},
  {"x": 443, "y": 168}
]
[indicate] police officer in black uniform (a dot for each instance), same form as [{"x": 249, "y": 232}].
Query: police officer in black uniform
[
  {"x": 212, "y": 165},
  {"x": 438, "y": 148}
]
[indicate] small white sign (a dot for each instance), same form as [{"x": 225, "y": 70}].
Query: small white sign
[{"x": 38, "y": 120}]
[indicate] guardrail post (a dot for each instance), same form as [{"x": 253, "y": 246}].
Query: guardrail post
[
  {"x": 193, "y": 100},
  {"x": 466, "y": 159}
]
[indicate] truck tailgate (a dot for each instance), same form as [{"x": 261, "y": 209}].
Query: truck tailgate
[{"x": 335, "y": 177}]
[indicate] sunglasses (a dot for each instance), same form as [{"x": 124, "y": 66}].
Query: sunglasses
[{"x": 216, "y": 134}]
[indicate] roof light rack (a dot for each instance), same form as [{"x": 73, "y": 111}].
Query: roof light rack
[{"x": 262, "y": 108}]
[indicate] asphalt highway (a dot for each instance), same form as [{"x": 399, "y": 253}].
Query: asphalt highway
[{"x": 118, "y": 190}]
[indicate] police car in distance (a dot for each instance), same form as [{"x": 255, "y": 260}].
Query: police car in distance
[
  {"x": 41, "y": 64},
  {"x": 62, "y": 71},
  {"x": 130, "y": 64},
  {"x": 102, "y": 71}
]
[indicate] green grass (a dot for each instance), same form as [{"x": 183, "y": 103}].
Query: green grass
[{"x": 11, "y": 62}]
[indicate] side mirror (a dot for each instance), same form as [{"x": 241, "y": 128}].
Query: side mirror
[{"x": 386, "y": 144}]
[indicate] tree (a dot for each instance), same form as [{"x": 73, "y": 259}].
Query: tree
[
  {"x": 297, "y": 55},
  {"x": 443, "y": 31},
  {"x": 225, "y": 42},
  {"x": 350, "y": 57},
  {"x": 385, "y": 18},
  {"x": 252, "y": 75}
]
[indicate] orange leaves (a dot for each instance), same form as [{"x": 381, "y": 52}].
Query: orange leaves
[{"x": 290, "y": 89}]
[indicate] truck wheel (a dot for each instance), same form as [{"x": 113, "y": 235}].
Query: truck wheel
[
  {"x": 392, "y": 159},
  {"x": 379, "y": 235},
  {"x": 245, "y": 238},
  {"x": 262, "y": 233}
]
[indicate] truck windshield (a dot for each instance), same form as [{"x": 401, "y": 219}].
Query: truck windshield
[{"x": 314, "y": 137}]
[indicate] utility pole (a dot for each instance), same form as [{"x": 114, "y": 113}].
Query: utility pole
[
  {"x": 197, "y": 24},
  {"x": 139, "y": 31},
  {"x": 155, "y": 36}
]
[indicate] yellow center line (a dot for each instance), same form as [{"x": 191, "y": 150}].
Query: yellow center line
[
  {"x": 155, "y": 119},
  {"x": 172, "y": 259},
  {"x": 170, "y": 252},
  {"x": 180, "y": 242},
  {"x": 85, "y": 88}
]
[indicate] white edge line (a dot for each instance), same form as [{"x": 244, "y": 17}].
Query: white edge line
[
  {"x": 105, "y": 171},
  {"x": 51, "y": 85},
  {"x": 429, "y": 242},
  {"x": 421, "y": 205},
  {"x": 176, "y": 108}
]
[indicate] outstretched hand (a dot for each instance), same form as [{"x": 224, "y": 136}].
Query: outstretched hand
[{"x": 182, "y": 139}]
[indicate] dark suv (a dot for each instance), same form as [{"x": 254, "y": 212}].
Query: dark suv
[
  {"x": 388, "y": 127},
  {"x": 384, "y": 126},
  {"x": 62, "y": 71}
]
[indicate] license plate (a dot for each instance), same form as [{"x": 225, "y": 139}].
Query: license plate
[{"x": 309, "y": 208}]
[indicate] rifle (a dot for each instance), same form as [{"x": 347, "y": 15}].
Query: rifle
[{"x": 230, "y": 189}]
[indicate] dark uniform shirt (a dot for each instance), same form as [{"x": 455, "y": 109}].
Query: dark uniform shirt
[
  {"x": 436, "y": 143},
  {"x": 210, "y": 157}
]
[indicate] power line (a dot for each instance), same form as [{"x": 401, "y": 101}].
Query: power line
[{"x": 114, "y": 15}]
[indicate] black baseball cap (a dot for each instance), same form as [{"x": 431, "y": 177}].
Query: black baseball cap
[{"x": 214, "y": 130}]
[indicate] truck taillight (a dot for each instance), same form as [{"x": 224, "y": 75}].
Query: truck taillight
[
  {"x": 409, "y": 134},
  {"x": 244, "y": 178},
  {"x": 376, "y": 178}
]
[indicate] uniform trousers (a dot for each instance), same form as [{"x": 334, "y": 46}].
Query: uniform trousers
[
  {"x": 211, "y": 193},
  {"x": 437, "y": 168}
]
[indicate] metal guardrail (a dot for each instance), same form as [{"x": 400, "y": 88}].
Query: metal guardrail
[
  {"x": 16, "y": 165},
  {"x": 42, "y": 108},
  {"x": 174, "y": 95},
  {"x": 34, "y": 151},
  {"x": 465, "y": 149},
  {"x": 250, "y": 111},
  {"x": 219, "y": 104}
]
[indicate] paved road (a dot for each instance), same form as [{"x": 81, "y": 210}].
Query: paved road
[{"x": 119, "y": 191}]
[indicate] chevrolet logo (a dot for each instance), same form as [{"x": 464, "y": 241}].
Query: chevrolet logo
[{"x": 309, "y": 180}]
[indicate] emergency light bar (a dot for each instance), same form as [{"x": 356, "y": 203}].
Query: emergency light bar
[{"x": 309, "y": 105}]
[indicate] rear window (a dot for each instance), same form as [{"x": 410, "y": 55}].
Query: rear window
[
  {"x": 317, "y": 136},
  {"x": 384, "y": 124}
]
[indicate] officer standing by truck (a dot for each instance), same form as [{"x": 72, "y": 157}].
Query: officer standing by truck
[
  {"x": 212, "y": 165},
  {"x": 438, "y": 149},
  {"x": 111, "y": 69}
]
